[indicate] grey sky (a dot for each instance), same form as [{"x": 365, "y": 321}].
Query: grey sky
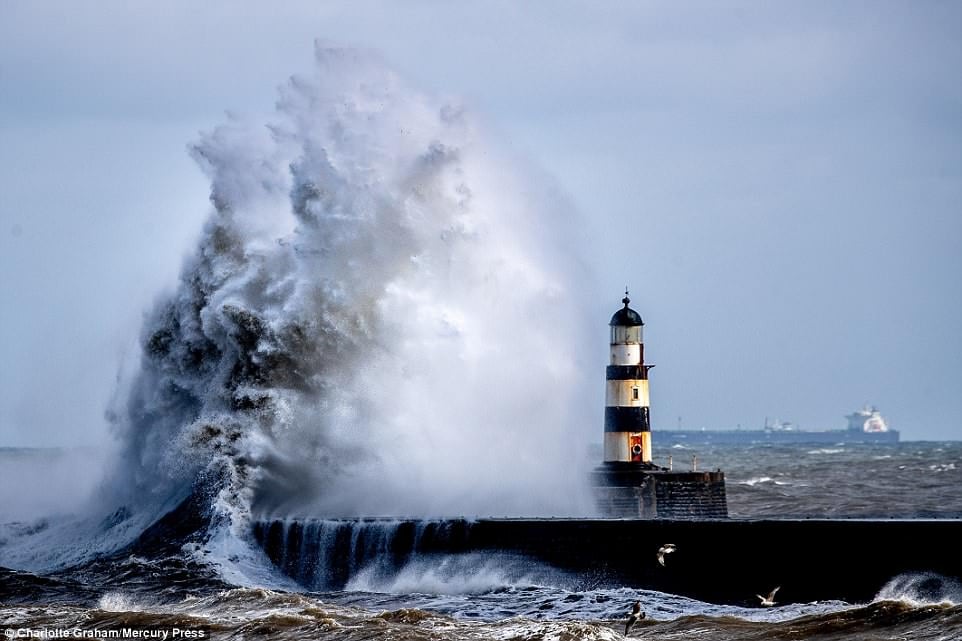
[{"x": 780, "y": 184}]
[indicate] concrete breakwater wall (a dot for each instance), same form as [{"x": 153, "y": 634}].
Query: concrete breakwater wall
[
  {"x": 720, "y": 561},
  {"x": 629, "y": 491}
]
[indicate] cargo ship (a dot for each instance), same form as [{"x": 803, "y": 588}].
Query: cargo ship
[{"x": 865, "y": 426}]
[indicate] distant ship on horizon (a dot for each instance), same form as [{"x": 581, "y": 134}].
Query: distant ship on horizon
[{"x": 864, "y": 426}]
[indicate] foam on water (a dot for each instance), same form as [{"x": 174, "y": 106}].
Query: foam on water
[
  {"x": 455, "y": 574},
  {"x": 117, "y": 602},
  {"x": 555, "y": 602}
]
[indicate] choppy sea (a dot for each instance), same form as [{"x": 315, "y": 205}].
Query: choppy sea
[{"x": 158, "y": 588}]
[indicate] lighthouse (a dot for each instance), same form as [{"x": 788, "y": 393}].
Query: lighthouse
[
  {"x": 628, "y": 484},
  {"x": 627, "y": 423}
]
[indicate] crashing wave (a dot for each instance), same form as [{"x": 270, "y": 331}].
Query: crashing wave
[
  {"x": 922, "y": 588},
  {"x": 379, "y": 318}
]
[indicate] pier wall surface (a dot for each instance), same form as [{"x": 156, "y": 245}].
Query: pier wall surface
[
  {"x": 720, "y": 561},
  {"x": 628, "y": 491}
]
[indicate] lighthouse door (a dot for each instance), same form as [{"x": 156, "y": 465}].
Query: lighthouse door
[{"x": 635, "y": 447}]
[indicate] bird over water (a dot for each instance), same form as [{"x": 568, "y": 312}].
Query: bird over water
[
  {"x": 769, "y": 600},
  {"x": 667, "y": 548},
  {"x": 636, "y": 615}
]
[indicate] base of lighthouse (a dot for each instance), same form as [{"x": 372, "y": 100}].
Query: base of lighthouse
[{"x": 630, "y": 490}]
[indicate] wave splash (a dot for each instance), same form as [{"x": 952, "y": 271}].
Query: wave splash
[
  {"x": 455, "y": 574},
  {"x": 920, "y": 589},
  {"x": 379, "y": 318}
]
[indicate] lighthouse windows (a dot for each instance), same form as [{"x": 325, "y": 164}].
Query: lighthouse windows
[
  {"x": 635, "y": 393},
  {"x": 621, "y": 334}
]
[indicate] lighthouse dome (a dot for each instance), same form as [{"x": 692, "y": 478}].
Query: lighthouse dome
[{"x": 626, "y": 317}]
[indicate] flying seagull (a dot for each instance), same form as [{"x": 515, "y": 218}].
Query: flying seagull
[
  {"x": 636, "y": 615},
  {"x": 770, "y": 599},
  {"x": 667, "y": 548}
]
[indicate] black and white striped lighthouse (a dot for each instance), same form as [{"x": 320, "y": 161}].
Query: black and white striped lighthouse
[
  {"x": 628, "y": 484},
  {"x": 627, "y": 422}
]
